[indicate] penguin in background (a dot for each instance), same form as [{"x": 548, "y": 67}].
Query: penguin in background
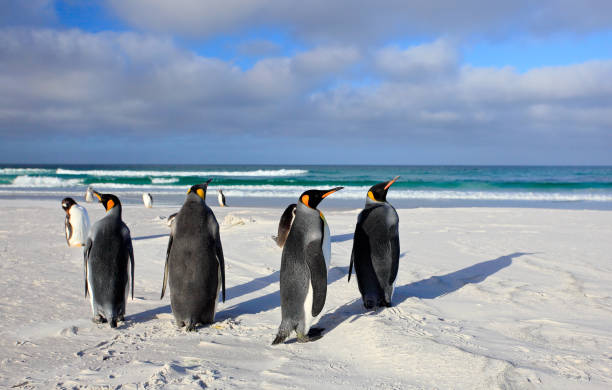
[
  {"x": 109, "y": 263},
  {"x": 76, "y": 223},
  {"x": 147, "y": 199},
  {"x": 221, "y": 198},
  {"x": 195, "y": 267},
  {"x": 89, "y": 196},
  {"x": 303, "y": 274},
  {"x": 376, "y": 249},
  {"x": 284, "y": 225}
]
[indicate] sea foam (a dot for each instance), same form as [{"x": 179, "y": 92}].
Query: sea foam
[{"x": 128, "y": 173}]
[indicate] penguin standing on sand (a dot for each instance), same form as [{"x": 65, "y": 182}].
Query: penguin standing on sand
[
  {"x": 76, "y": 224},
  {"x": 108, "y": 257},
  {"x": 195, "y": 268},
  {"x": 376, "y": 248},
  {"x": 89, "y": 196},
  {"x": 303, "y": 274},
  {"x": 284, "y": 225},
  {"x": 221, "y": 198},
  {"x": 147, "y": 199}
]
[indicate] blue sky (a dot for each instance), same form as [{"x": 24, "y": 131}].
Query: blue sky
[{"x": 283, "y": 82}]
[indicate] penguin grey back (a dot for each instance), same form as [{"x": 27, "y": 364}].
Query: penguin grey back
[
  {"x": 375, "y": 253},
  {"x": 195, "y": 268}
]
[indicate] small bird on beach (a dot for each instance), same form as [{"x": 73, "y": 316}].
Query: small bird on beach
[
  {"x": 147, "y": 199},
  {"x": 221, "y": 198},
  {"x": 303, "y": 274},
  {"x": 195, "y": 267},
  {"x": 76, "y": 223},
  {"x": 108, "y": 256},
  {"x": 284, "y": 225},
  {"x": 375, "y": 253}
]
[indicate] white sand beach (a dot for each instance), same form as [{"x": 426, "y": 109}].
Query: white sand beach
[{"x": 485, "y": 298}]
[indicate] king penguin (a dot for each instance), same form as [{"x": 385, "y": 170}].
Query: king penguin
[
  {"x": 108, "y": 258},
  {"x": 284, "y": 225},
  {"x": 221, "y": 199},
  {"x": 89, "y": 196},
  {"x": 147, "y": 199},
  {"x": 376, "y": 248},
  {"x": 195, "y": 268},
  {"x": 303, "y": 274},
  {"x": 76, "y": 223}
]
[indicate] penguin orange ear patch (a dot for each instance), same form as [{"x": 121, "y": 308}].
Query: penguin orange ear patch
[
  {"x": 189, "y": 191},
  {"x": 110, "y": 205},
  {"x": 371, "y": 196},
  {"x": 305, "y": 199},
  {"x": 200, "y": 193}
]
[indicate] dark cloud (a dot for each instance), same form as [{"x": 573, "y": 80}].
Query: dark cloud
[{"x": 368, "y": 21}]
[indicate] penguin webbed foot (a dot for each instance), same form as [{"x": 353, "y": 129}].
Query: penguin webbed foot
[
  {"x": 369, "y": 304},
  {"x": 314, "y": 334},
  {"x": 98, "y": 319},
  {"x": 113, "y": 323},
  {"x": 280, "y": 337}
]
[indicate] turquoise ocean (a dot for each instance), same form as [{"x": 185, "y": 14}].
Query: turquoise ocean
[{"x": 267, "y": 185}]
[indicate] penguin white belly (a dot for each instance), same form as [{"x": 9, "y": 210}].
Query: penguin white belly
[
  {"x": 147, "y": 200},
  {"x": 79, "y": 220},
  {"x": 308, "y": 319},
  {"x": 326, "y": 244}
]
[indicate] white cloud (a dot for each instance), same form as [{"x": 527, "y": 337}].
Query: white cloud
[{"x": 438, "y": 58}]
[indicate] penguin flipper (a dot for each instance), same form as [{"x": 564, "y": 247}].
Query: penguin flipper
[
  {"x": 86, "y": 252},
  {"x": 395, "y": 251},
  {"x": 221, "y": 260},
  {"x": 131, "y": 251},
  {"x": 166, "y": 267},
  {"x": 318, "y": 276}
]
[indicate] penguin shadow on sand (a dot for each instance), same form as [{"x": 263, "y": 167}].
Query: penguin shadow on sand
[
  {"x": 437, "y": 286},
  {"x": 341, "y": 237},
  {"x": 150, "y": 237},
  {"x": 269, "y": 301},
  {"x": 147, "y": 315},
  {"x": 431, "y": 288}
]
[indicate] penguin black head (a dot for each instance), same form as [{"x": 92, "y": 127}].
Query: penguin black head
[
  {"x": 312, "y": 198},
  {"x": 67, "y": 203},
  {"x": 378, "y": 192},
  {"x": 109, "y": 201},
  {"x": 200, "y": 189}
]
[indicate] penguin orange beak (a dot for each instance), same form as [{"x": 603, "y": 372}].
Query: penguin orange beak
[
  {"x": 97, "y": 194},
  {"x": 391, "y": 182},
  {"x": 328, "y": 193}
]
